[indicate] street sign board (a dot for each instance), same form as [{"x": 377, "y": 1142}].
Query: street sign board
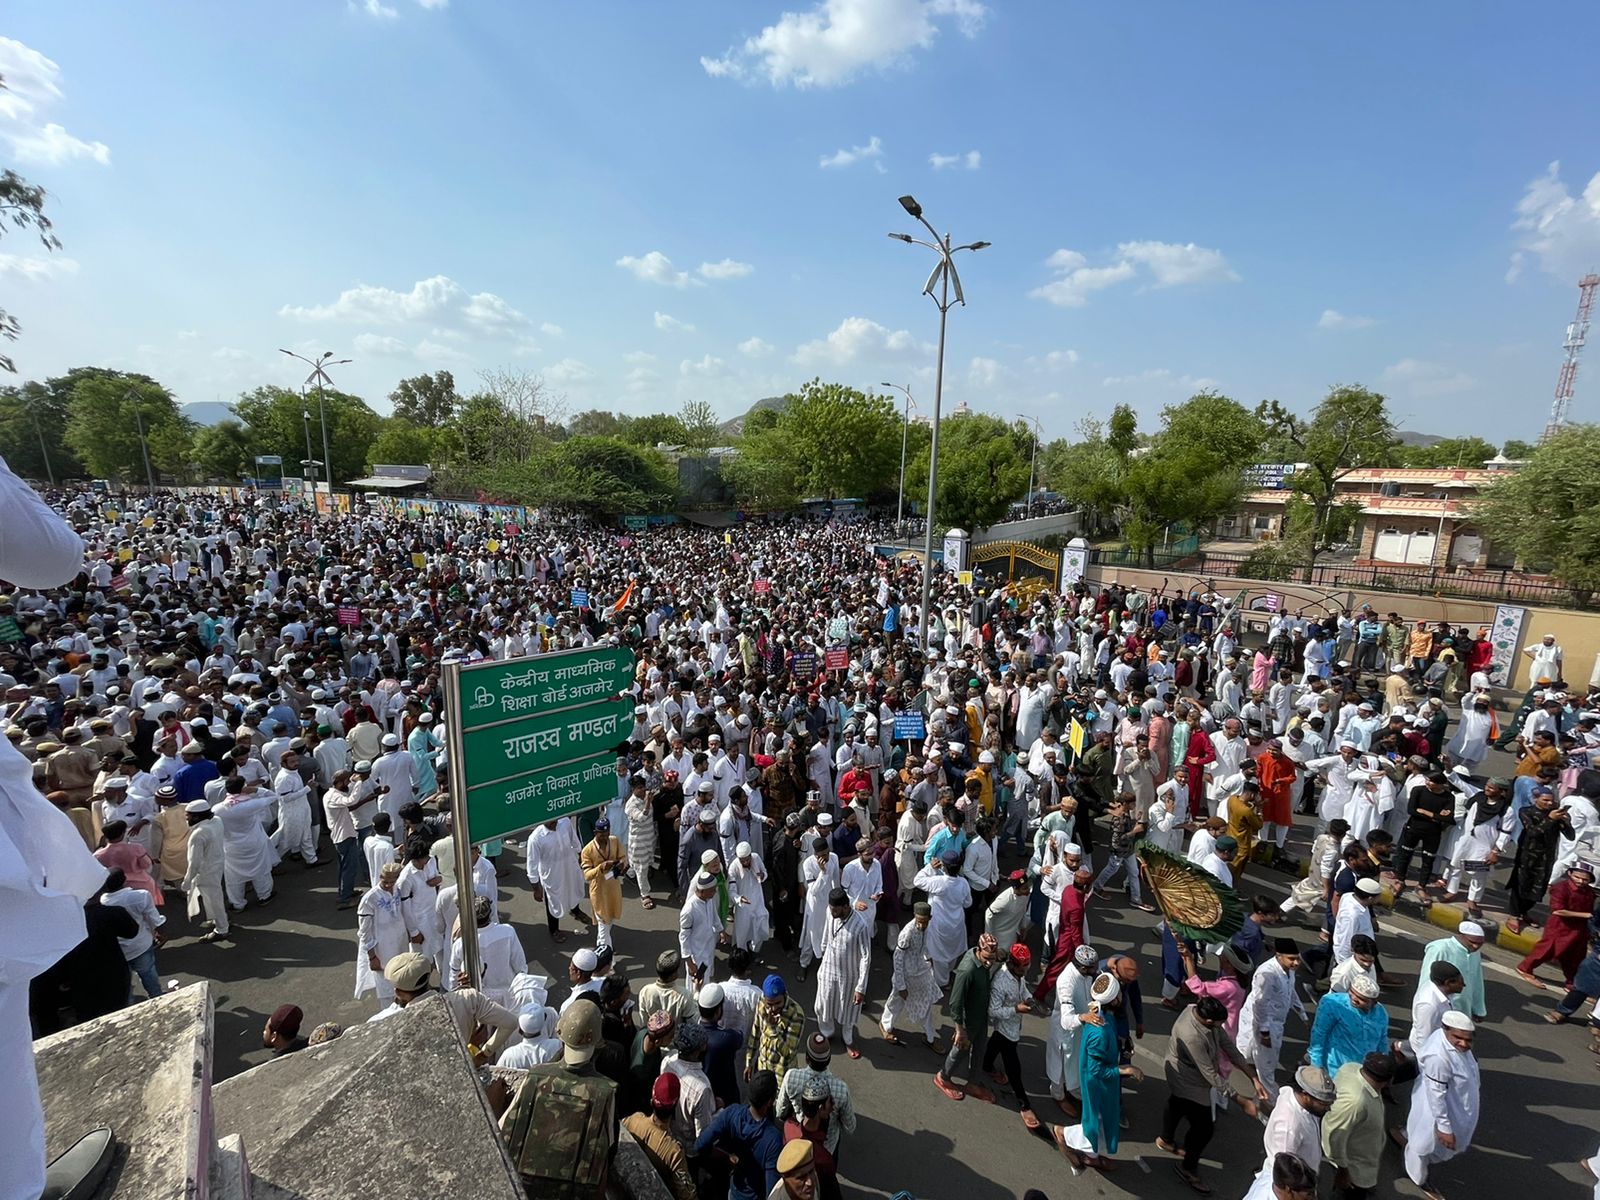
[
  {"x": 527, "y": 800},
  {"x": 910, "y": 726},
  {"x": 512, "y": 748},
  {"x": 498, "y": 691}
]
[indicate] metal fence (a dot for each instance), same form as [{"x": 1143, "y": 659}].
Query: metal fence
[{"x": 1493, "y": 584}]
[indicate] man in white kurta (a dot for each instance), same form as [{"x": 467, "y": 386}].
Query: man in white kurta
[
  {"x": 1072, "y": 1003},
  {"x": 46, "y": 872},
  {"x": 202, "y": 882},
  {"x": 1440, "y": 982},
  {"x": 862, "y": 879},
  {"x": 500, "y": 955},
  {"x": 819, "y": 875},
  {"x": 699, "y": 923},
  {"x": 1266, "y": 1010},
  {"x": 842, "y": 973},
  {"x": 949, "y": 895},
  {"x": 1295, "y": 1126},
  {"x": 554, "y": 872},
  {"x": 1444, "y": 1100},
  {"x": 912, "y": 989},
  {"x": 247, "y": 853},
  {"x": 746, "y": 874},
  {"x": 295, "y": 833}
]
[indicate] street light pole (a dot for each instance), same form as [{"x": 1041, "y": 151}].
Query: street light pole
[
  {"x": 144, "y": 446},
  {"x": 310, "y": 463},
  {"x": 1032, "y": 462},
  {"x": 905, "y": 430},
  {"x": 944, "y": 274},
  {"x": 50, "y": 474},
  {"x": 319, "y": 375}
]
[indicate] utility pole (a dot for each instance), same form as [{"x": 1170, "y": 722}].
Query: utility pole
[{"x": 144, "y": 446}]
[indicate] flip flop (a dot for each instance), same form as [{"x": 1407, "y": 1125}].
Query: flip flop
[
  {"x": 852, "y": 1051},
  {"x": 1030, "y": 1120},
  {"x": 1528, "y": 978},
  {"x": 893, "y": 1039},
  {"x": 649, "y": 903},
  {"x": 1194, "y": 1181},
  {"x": 1075, "y": 1160}
]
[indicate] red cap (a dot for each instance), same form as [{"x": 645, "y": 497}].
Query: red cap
[
  {"x": 664, "y": 1092},
  {"x": 1021, "y": 955}
]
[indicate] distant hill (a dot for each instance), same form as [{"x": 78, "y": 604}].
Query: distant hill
[
  {"x": 207, "y": 412},
  {"x": 1408, "y": 438},
  {"x": 735, "y": 426}
]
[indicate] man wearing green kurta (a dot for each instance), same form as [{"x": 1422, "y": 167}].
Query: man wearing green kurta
[{"x": 1461, "y": 948}]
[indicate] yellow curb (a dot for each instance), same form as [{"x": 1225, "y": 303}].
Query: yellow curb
[
  {"x": 1521, "y": 943},
  {"x": 1445, "y": 916}
]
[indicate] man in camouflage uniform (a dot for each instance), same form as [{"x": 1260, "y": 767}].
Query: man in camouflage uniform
[{"x": 561, "y": 1127}]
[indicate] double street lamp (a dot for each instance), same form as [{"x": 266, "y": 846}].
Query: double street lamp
[
  {"x": 945, "y": 277},
  {"x": 319, "y": 376},
  {"x": 905, "y": 429}
]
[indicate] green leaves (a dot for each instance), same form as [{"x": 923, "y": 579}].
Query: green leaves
[
  {"x": 1548, "y": 513},
  {"x": 276, "y": 420},
  {"x": 104, "y": 413},
  {"x": 826, "y": 440}
]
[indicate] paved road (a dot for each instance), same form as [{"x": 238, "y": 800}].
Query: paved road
[{"x": 1541, "y": 1088}]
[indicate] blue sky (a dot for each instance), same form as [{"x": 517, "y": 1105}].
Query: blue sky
[{"x": 650, "y": 202}]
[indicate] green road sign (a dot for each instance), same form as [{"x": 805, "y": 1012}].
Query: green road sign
[
  {"x": 495, "y": 809},
  {"x": 535, "y": 743},
  {"x": 521, "y": 687},
  {"x": 535, "y": 738}
]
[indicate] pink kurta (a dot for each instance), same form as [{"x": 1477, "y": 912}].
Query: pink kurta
[{"x": 134, "y": 863}]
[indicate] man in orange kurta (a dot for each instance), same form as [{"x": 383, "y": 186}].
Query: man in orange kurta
[{"x": 1276, "y": 773}]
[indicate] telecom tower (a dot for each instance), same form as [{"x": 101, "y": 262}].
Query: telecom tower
[{"x": 1577, "y": 334}]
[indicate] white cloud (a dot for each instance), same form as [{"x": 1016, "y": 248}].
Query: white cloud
[
  {"x": 569, "y": 370},
  {"x": 439, "y": 303},
  {"x": 872, "y": 151},
  {"x": 755, "y": 347},
  {"x": 1160, "y": 377},
  {"x": 551, "y": 329},
  {"x": 707, "y": 366},
  {"x": 1421, "y": 378},
  {"x": 1560, "y": 230},
  {"x": 434, "y": 3},
  {"x": 229, "y": 354},
  {"x": 430, "y": 350},
  {"x": 1332, "y": 318},
  {"x": 1174, "y": 265},
  {"x": 642, "y": 379},
  {"x": 654, "y": 267},
  {"x": 726, "y": 269},
  {"x": 188, "y": 335},
  {"x": 1168, "y": 264},
  {"x": 373, "y": 305},
  {"x": 489, "y": 312},
  {"x": 671, "y": 324},
  {"x": 34, "y": 269},
  {"x": 379, "y": 344},
  {"x": 984, "y": 372},
  {"x": 377, "y": 8},
  {"x": 971, "y": 160},
  {"x": 837, "y": 40},
  {"x": 639, "y": 357},
  {"x": 1056, "y": 360},
  {"x": 857, "y": 337},
  {"x": 33, "y": 83}
]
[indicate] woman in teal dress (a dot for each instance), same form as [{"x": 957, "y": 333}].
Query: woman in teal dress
[{"x": 1092, "y": 1141}]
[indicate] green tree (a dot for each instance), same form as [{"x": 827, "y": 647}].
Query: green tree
[
  {"x": 33, "y": 424},
  {"x": 275, "y": 417},
  {"x": 1350, "y": 428},
  {"x": 597, "y": 422},
  {"x": 1470, "y": 452},
  {"x": 529, "y": 416},
  {"x": 600, "y": 476},
  {"x": 827, "y": 440},
  {"x": 656, "y": 429},
  {"x": 1548, "y": 512},
  {"x": 21, "y": 207},
  {"x": 983, "y": 469},
  {"x": 426, "y": 400},
  {"x": 400, "y": 441},
  {"x": 222, "y": 451},
  {"x": 1517, "y": 448},
  {"x": 701, "y": 429},
  {"x": 103, "y": 420}
]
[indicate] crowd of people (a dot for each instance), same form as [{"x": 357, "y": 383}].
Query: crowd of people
[{"x": 202, "y": 691}]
